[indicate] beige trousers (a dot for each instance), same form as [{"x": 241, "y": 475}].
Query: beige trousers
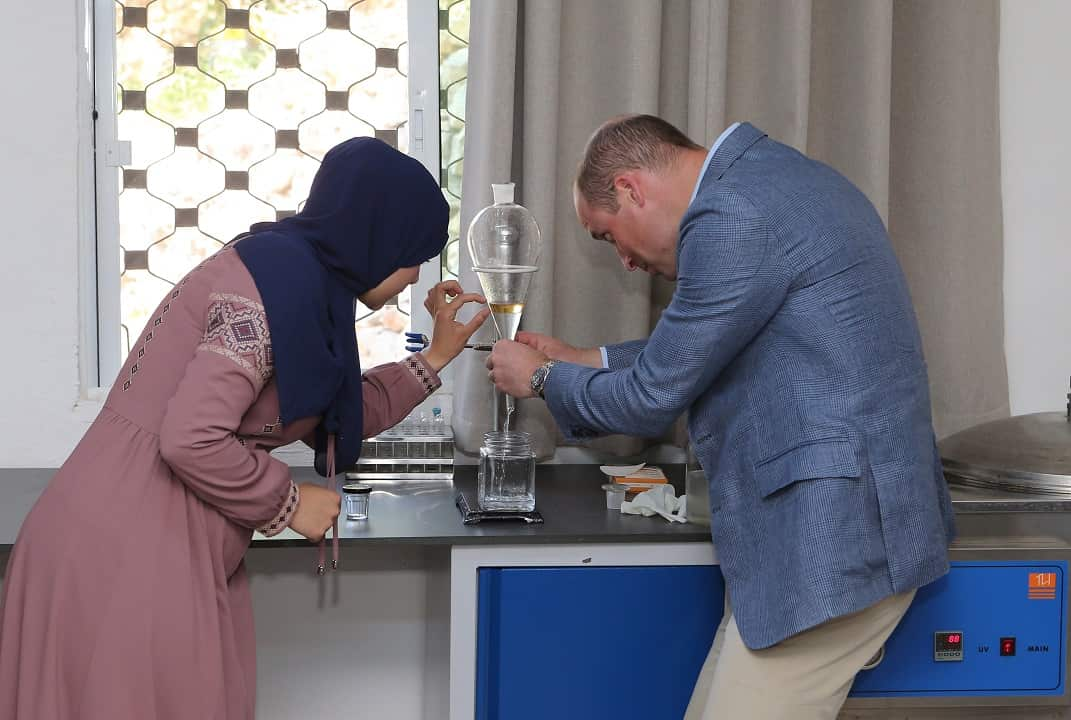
[{"x": 806, "y": 677}]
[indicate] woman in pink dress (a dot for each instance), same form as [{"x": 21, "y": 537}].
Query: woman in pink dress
[{"x": 126, "y": 596}]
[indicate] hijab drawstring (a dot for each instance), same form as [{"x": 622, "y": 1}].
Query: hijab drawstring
[{"x": 329, "y": 482}]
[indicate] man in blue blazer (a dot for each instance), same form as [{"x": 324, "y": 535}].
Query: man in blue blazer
[{"x": 792, "y": 345}]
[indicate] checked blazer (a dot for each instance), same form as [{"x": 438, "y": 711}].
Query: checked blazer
[{"x": 792, "y": 345}]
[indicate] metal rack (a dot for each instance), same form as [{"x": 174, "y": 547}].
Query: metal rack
[{"x": 406, "y": 457}]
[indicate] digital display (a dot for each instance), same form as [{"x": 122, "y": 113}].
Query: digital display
[
  {"x": 948, "y": 641},
  {"x": 948, "y": 645}
]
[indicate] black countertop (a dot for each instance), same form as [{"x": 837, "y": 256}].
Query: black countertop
[
  {"x": 408, "y": 511},
  {"x": 568, "y": 496}
]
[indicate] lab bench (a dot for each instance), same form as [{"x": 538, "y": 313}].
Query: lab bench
[{"x": 592, "y": 602}]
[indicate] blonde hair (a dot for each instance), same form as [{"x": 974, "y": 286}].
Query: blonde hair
[{"x": 629, "y": 142}]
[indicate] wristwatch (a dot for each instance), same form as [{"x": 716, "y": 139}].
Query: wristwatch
[{"x": 539, "y": 377}]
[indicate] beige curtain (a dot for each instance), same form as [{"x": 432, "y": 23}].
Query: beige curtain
[{"x": 901, "y": 97}]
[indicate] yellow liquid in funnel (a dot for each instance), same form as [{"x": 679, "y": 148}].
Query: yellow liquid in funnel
[{"x": 507, "y": 318}]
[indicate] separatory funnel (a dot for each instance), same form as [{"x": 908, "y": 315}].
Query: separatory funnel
[{"x": 504, "y": 244}]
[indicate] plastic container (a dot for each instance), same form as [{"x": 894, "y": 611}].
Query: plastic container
[
  {"x": 697, "y": 490},
  {"x": 356, "y": 497},
  {"x": 615, "y": 494},
  {"x": 506, "y": 478}
]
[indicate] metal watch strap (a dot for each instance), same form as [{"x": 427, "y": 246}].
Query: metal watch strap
[
  {"x": 534, "y": 381},
  {"x": 545, "y": 367}
]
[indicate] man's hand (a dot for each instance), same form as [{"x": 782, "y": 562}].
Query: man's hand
[
  {"x": 557, "y": 350},
  {"x": 510, "y": 367}
]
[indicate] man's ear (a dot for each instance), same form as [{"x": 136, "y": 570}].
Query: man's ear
[{"x": 628, "y": 188}]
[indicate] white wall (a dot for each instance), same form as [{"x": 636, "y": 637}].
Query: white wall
[
  {"x": 1035, "y": 126},
  {"x": 39, "y": 312},
  {"x": 359, "y": 643}
]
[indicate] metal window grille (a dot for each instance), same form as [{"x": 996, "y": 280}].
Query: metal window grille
[
  {"x": 453, "y": 82},
  {"x": 222, "y": 112}
]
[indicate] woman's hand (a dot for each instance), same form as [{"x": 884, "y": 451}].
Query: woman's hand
[
  {"x": 449, "y": 336},
  {"x": 440, "y": 295},
  {"x": 316, "y": 512}
]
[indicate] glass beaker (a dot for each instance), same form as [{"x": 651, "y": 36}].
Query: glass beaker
[{"x": 506, "y": 479}]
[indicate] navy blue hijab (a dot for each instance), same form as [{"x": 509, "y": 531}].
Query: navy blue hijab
[{"x": 371, "y": 211}]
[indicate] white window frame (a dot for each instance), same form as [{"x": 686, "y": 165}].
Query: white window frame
[
  {"x": 101, "y": 153},
  {"x": 85, "y": 101}
]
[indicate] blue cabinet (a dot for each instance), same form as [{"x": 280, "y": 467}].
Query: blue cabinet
[
  {"x": 628, "y": 642},
  {"x": 595, "y": 642}
]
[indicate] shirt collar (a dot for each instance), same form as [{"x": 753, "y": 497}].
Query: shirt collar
[{"x": 710, "y": 156}]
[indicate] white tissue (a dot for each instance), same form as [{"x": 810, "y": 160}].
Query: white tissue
[{"x": 661, "y": 500}]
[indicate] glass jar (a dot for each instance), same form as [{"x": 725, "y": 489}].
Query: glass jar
[
  {"x": 506, "y": 479},
  {"x": 356, "y": 497}
]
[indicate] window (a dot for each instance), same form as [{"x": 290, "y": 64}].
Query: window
[{"x": 213, "y": 115}]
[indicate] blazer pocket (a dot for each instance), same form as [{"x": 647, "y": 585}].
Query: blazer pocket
[{"x": 828, "y": 458}]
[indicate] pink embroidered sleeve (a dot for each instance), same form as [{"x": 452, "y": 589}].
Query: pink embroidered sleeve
[
  {"x": 391, "y": 392},
  {"x": 197, "y": 438},
  {"x": 282, "y": 520}
]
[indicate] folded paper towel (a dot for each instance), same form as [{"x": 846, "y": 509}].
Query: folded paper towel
[{"x": 661, "y": 500}]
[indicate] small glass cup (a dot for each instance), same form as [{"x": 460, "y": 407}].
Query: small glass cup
[{"x": 356, "y": 497}]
